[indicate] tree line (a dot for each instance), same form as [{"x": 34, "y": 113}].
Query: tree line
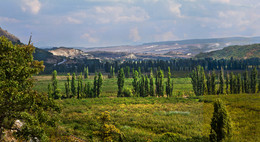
[
  {"x": 74, "y": 86},
  {"x": 230, "y": 83},
  {"x": 178, "y": 64}
]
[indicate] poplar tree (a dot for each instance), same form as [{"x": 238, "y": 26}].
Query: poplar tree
[
  {"x": 213, "y": 83},
  {"x": 127, "y": 72},
  {"x": 221, "y": 81},
  {"x": 231, "y": 83},
  {"x": 198, "y": 81},
  {"x": 56, "y": 92},
  {"x": 159, "y": 84},
  {"x": 254, "y": 80},
  {"x": 80, "y": 86},
  {"x": 239, "y": 84},
  {"x": 146, "y": 84},
  {"x": 151, "y": 84},
  {"x": 141, "y": 85},
  {"x": 169, "y": 84},
  {"x": 227, "y": 84},
  {"x": 246, "y": 82},
  {"x": 120, "y": 82},
  {"x": 135, "y": 83},
  {"x": 99, "y": 84},
  {"x": 67, "y": 86},
  {"x": 86, "y": 72},
  {"x": 73, "y": 85},
  {"x": 221, "y": 127},
  {"x": 209, "y": 88},
  {"x": 95, "y": 84}
]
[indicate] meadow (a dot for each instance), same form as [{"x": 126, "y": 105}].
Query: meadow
[{"x": 184, "y": 116}]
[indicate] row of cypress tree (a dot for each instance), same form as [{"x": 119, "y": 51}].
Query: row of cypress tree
[
  {"x": 81, "y": 90},
  {"x": 143, "y": 85},
  {"x": 207, "y": 84}
]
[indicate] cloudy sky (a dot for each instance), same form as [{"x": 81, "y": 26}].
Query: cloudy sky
[{"x": 92, "y": 23}]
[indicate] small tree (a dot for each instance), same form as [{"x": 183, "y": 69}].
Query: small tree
[
  {"x": 151, "y": 84},
  {"x": 213, "y": 83},
  {"x": 159, "y": 83},
  {"x": 198, "y": 81},
  {"x": 99, "y": 84},
  {"x": 55, "y": 92},
  {"x": 169, "y": 84},
  {"x": 120, "y": 82},
  {"x": 95, "y": 86},
  {"x": 246, "y": 82},
  {"x": 73, "y": 85},
  {"x": 107, "y": 132},
  {"x": 135, "y": 82},
  {"x": 220, "y": 123},
  {"x": 80, "y": 86},
  {"x": 86, "y": 72},
  {"x": 67, "y": 86},
  {"x": 221, "y": 81},
  {"x": 254, "y": 80}
]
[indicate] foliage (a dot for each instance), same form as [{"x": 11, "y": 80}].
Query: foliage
[
  {"x": 120, "y": 83},
  {"x": 159, "y": 84},
  {"x": 17, "y": 98},
  {"x": 107, "y": 132},
  {"x": 221, "y": 127},
  {"x": 73, "y": 85},
  {"x": 198, "y": 81}
]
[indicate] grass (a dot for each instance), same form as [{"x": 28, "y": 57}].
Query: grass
[{"x": 148, "y": 119}]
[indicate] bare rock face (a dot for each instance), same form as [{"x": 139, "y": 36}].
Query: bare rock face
[{"x": 67, "y": 52}]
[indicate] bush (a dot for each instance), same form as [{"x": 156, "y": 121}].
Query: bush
[{"x": 127, "y": 92}]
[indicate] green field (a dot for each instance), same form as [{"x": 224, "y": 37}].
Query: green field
[{"x": 148, "y": 119}]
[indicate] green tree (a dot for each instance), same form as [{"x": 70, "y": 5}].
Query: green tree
[
  {"x": 135, "y": 83},
  {"x": 95, "y": 86},
  {"x": 198, "y": 81},
  {"x": 108, "y": 132},
  {"x": 99, "y": 84},
  {"x": 227, "y": 84},
  {"x": 120, "y": 82},
  {"x": 254, "y": 80},
  {"x": 246, "y": 82},
  {"x": 86, "y": 73},
  {"x": 127, "y": 72},
  {"x": 221, "y": 81},
  {"x": 73, "y": 85},
  {"x": 67, "y": 86},
  {"x": 146, "y": 86},
  {"x": 55, "y": 92},
  {"x": 213, "y": 83},
  {"x": 169, "y": 87},
  {"x": 221, "y": 127},
  {"x": 151, "y": 84},
  {"x": 80, "y": 86},
  {"x": 159, "y": 84},
  {"x": 18, "y": 100},
  {"x": 239, "y": 84}
]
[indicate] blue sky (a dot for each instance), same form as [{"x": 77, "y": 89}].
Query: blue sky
[{"x": 93, "y": 23}]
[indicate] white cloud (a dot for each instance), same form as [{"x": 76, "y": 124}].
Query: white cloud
[
  {"x": 221, "y": 1},
  {"x": 32, "y": 6},
  {"x": 165, "y": 37},
  {"x": 89, "y": 38},
  {"x": 134, "y": 35},
  {"x": 8, "y": 20},
  {"x": 174, "y": 7},
  {"x": 73, "y": 20}
]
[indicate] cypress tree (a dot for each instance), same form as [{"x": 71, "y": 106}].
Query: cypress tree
[
  {"x": 120, "y": 82},
  {"x": 135, "y": 82},
  {"x": 127, "y": 72},
  {"x": 146, "y": 86},
  {"x": 221, "y": 127},
  {"x": 80, "y": 85},
  {"x": 213, "y": 83},
  {"x": 227, "y": 84},
  {"x": 168, "y": 84},
  {"x": 231, "y": 83},
  {"x": 89, "y": 93},
  {"x": 221, "y": 81},
  {"x": 73, "y": 85},
  {"x": 95, "y": 84},
  {"x": 141, "y": 85},
  {"x": 67, "y": 86},
  {"x": 198, "y": 81},
  {"x": 209, "y": 84},
  {"x": 85, "y": 72},
  {"x": 99, "y": 84},
  {"x": 246, "y": 82},
  {"x": 56, "y": 92},
  {"x": 239, "y": 84},
  {"x": 159, "y": 84},
  {"x": 254, "y": 80},
  {"x": 151, "y": 84}
]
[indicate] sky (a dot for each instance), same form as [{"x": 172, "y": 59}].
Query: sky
[{"x": 96, "y": 23}]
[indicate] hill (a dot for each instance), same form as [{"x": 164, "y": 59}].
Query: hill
[
  {"x": 10, "y": 36},
  {"x": 237, "y": 52}
]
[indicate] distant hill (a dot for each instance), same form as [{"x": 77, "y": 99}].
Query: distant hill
[
  {"x": 237, "y": 52},
  {"x": 39, "y": 54},
  {"x": 182, "y": 48}
]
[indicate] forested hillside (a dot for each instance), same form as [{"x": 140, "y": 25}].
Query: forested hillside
[{"x": 237, "y": 52}]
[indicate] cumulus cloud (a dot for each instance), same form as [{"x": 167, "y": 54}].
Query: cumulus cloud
[
  {"x": 174, "y": 7},
  {"x": 165, "y": 36},
  {"x": 220, "y": 1},
  {"x": 32, "y": 6},
  {"x": 8, "y": 20},
  {"x": 73, "y": 20},
  {"x": 89, "y": 38},
  {"x": 134, "y": 35}
]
